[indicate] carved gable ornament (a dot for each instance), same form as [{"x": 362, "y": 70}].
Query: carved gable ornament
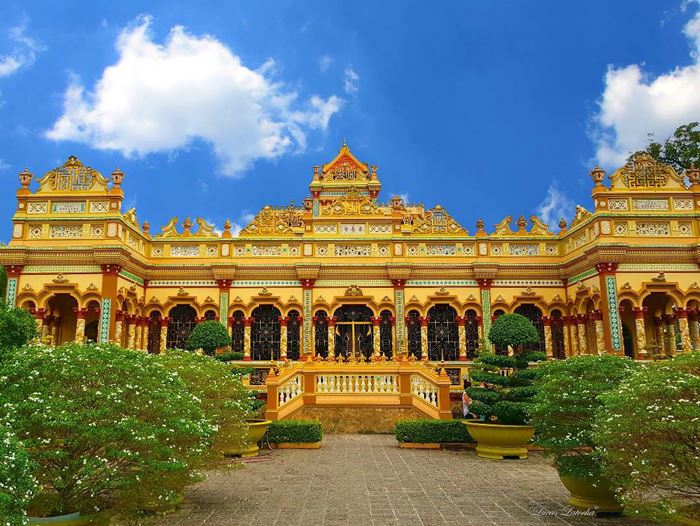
[
  {"x": 345, "y": 167},
  {"x": 352, "y": 203},
  {"x": 353, "y": 290},
  {"x": 435, "y": 221},
  {"x": 73, "y": 176},
  {"x": 643, "y": 172},
  {"x": 275, "y": 221},
  {"x": 581, "y": 215}
]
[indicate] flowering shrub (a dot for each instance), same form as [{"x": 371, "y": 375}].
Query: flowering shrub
[
  {"x": 17, "y": 484},
  {"x": 225, "y": 401},
  {"x": 209, "y": 336},
  {"x": 649, "y": 432},
  {"x": 565, "y": 407},
  {"x": 17, "y": 327},
  {"x": 106, "y": 427}
]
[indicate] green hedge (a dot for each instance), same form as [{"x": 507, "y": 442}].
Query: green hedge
[
  {"x": 229, "y": 356},
  {"x": 296, "y": 431},
  {"x": 423, "y": 431}
]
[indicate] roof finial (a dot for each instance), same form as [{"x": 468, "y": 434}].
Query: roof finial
[{"x": 345, "y": 144}]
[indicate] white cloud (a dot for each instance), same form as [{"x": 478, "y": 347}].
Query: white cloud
[
  {"x": 351, "y": 81},
  {"x": 324, "y": 63},
  {"x": 161, "y": 97},
  {"x": 242, "y": 222},
  {"x": 634, "y": 104},
  {"x": 555, "y": 206},
  {"x": 4, "y": 165},
  {"x": 23, "y": 53}
]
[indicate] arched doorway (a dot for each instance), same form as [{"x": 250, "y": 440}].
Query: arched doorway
[
  {"x": 471, "y": 328},
  {"x": 183, "y": 319},
  {"x": 660, "y": 324},
  {"x": 293, "y": 333},
  {"x": 265, "y": 333},
  {"x": 386, "y": 337},
  {"x": 238, "y": 331},
  {"x": 629, "y": 329},
  {"x": 557, "y": 327},
  {"x": 154, "y": 320},
  {"x": 413, "y": 338},
  {"x": 534, "y": 314},
  {"x": 92, "y": 321},
  {"x": 321, "y": 334},
  {"x": 353, "y": 331},
  {"x": 591, "y": 336},
  {"x": 62, "y": 308},
  {"x": 443, "y": 334}
]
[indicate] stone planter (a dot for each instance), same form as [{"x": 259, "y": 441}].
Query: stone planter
[
  {"x": 586, "y": 496},
  {"x": 70, "y": 519},
  {"x": 499, "y": 441},
  {"x": 297, "y": 445},
  {"x": 256, "y": 430}
]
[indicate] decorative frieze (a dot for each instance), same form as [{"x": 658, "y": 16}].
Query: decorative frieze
[
  {"x": 353, "y": 250},
  {"x": 66, "y": 231},
  {"x": 441, "y": 283},
  {"x": 352, "y": 229},
  {"x": 525, "y": 249},
  {"x": 322, "y": 250},
  {"x": 382, "y": 228},
  {"x": 412, "y": 250},
  {"x": 618, "y": 204},
  {"x": 655, "y": 229},
  {"x": 158, "y": 251},
  {"x": 441, "y": 249},
  {"x": 97, "y": 207},
  {"x": 383, "y": 250},
  {"x": 650, "y": 204},
  {"x": 38, "y": 207},
  {"x": 294, "y": 250},
  {"x": 527, "y": 283},
  {"x": 35, "y": 231},
  {"x": 184, "y": 251},
  {"x": 683, "y": 204},
  {"x": 266, "y": 250},
  {"x": 551, "y": 250},
  {"x": 468, "y": 250},
  {"x": 496, "y": 249},
  {"x": 620, "y": 229},
  {"x": 326, "y": 229},
  {"x": 68, "y": 207},
  {"x": 105, "y": 316},
  {"x": 182, "y": 283},
  {"x": 55, "y": 269},
  {"x": 212, "y": 251},
  {"x": 666, "y": 267},
  {"x": 239, "y": 251},
  {"x": 97, "y": 231}
]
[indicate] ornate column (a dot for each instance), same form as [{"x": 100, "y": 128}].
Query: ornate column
[
  {"x": 131, "y": 333},
  {"x": 46, "y": 330},
  {"x": 640, "y": 331},
  {"x": 462, "y": 328},
  {"x": 224, "y": 287},
  {"x": 582, "y": 340},
  {"x": 141, "y": 333},
  {"x": 480, "y": 327},
  {"x": 247, "y": 342},
  {"x": 108, "y": 317},
  {"x": 80, "y": 315},
  {"x": 547, "y": 325},
  {"x": 425, "y": 352},
  {"x": 485, "y": 291},
  {"x": 660, "y": 325},
  {"x": 682, "y": 315},
  {"x": 283, "y": 338},
  {"x": 54, "y": 330},
  {"x": 399, "y": 307},
  {"x": 694, "y": 329},
  {"x": 308, "y": 343},
  {"x": 671, "y": 334},
  {"x": 565, "y": 335},
  {"x": 573, "y": 334},
  {"x": 331, "y": 336},
  {"x": 376, "y": 341},
  {"x": 314, "y": 319},
  {"x": 118, "y": 325},
  {"x": 13, "y": 273},
  {"x": 164, "y": 334},
  {"x": 611, "y": 325},
  {"x": 599, "y": 331}
]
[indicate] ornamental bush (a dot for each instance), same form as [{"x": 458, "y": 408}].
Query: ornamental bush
[
  {"x": 649, "y": 433},
  {"x": 296, "y": 431},
  {"x": 17, "y": 327},
  {"x": 225, "y": 401},
  {"x": 564, "y": 409},
  {"x": 17, "y": 484},
  {"x": 514, "y": 330},
  {"x": 209, "y": 336},
  {"x": 229, "y": 356},
  {"x": 107, "y": 428},
  {"x": 426, "y": 431}
]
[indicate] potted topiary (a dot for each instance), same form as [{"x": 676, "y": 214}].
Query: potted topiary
[
  {"x": 503, "y": 398},
  {"x": 17, "y": 483},
  {"x": 110, "y": 431},
  {"x": 210, "y": 336},
  {"x": 648, "y": 431},
  {"x": 564, "y": 415}
]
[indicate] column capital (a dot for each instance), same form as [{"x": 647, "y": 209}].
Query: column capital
[
  {"x": 597, "y": 315},
  {"x": 39, "y": 313},
  {"x": 376, "y": 320},
  {"x": 461, "y": 321},
  {"x": 111, "y": 269},
  {"x": 399, "y": 283},
  {"x": 681, "y": 312},
  {"x": 13, "y": 270},
  {"x": 283, "y": 320},
  {"x": 331, "y": 320},
  {"x": 307, "y": 283},
  {"x": 638, "y": 312},
  {"x": 119, "y": 315},
  {"x": 692, "y": 313},
  {"x": 143, "y": 321},
  {"x": 164, "y": 321},
  {"x": 81, "y": 314},
  {"x": 484, "y": 283},
  {"x": 248, "y": 321},
  {"x": 424, "y": 320},
  {"x": 546, "y": 321},
  {"x": 606, "y": 268},
  {"x": 669, "y": 318},
  {"x": 224, "y": 284},
  {"x": 581, "y": 318}
]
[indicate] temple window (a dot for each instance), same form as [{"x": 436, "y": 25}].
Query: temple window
[
  {"x": 238, "y": 331},
  {"x": 293, "y": 332},
  {"x": 154, "y": 332},
  {"x": 265, "y": 334},
  {"x": 385, "y": 334},
  {"x": 443, "y": 334},
  {"x": 183, "y": 318},
  {"x": 321, "y": 332},
  {"x": 558, "y": 335},
  {"x": 413, "y": 334}
]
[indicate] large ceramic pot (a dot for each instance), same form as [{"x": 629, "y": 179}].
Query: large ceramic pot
[
  {"x": 500, "y": 441},
  {"x": 71, "y": 519},
  {"x": 256, "y": 430},
  {"x": 587, "y": 496}
]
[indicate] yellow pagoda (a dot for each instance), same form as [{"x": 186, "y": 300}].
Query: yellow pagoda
[{"x": 346, "y": 276}]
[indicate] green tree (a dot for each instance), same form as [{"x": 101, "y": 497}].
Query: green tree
[
  {"x": 107, "y": 428},
  {"x": 514, "y": 330},
  {"x": 680, "y": 150},
  {"x": 3, "y": 282},
  {"x": 209, "y": 336},
  {"x": 649, "y": 433},
  {"x": 17, "y": 328},
  {"x": 17, "y": 484}
]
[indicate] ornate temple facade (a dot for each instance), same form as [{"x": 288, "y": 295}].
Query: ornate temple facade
[{"x": 348, "y": 275}]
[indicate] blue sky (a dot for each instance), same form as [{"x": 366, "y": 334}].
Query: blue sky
[{"x": 215, "y": 109}]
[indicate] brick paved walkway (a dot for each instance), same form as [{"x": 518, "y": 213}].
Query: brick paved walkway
[{"x": 366, "y": 480}]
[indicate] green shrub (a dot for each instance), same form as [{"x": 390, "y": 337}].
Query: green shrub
[
  {"x": 209, "y": 336},
  {"x": 499, "y": 361},
  {"x": 229, "y": 356},
  {"x": 514, "y": 330},
  {"x": 17, "y": 328},
  {"x": 17, "y": 484},
  {"x": 520, "y": 394},
  {"x": 3, "y": 281},
  {"x": 482, "y": 409},
  {"x": 523, "y": 377},
  {"x": 106, "y": 427},
  {"x": 226, "y": 402},
  {"x": 511, "y": 413},
  {"x": 297, "y": 431},
  {"x": 649, "y": 432},
  {"x": 424, "y": 431},
  {"x": 488, "y": 396}
]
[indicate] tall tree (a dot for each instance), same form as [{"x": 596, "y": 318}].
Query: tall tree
[{"x": 680, "y": 150}]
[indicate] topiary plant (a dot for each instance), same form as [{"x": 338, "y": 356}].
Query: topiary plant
[
  {"x": 17, "y": 328},
  {"x": 107, "y": 428},
  {"x": 209, "y": 336},
  {"x": 564, "y": 409},
  {"x": 506, "y": 389},
  {"x": 649, "y": 433},
  {"x": 17, "y": 484}
]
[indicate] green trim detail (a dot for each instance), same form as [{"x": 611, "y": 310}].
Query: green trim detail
[
  {"x": 582, "y": 275},
  {"x": 49, "y": 269},
  {"x": 486, "y": 313},
  {"x": 11, "y": 294},
  {"x": 399, "y": 305},
  {"x": 307, "y": 300},
  {"x": 128, "y": 275},
  {"x": 105, "y": 315},
  {"x": 614, "y": 312},
  {"x": 223, "y": 308}
]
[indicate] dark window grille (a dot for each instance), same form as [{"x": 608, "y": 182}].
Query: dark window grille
[
  {"x": 558, "y": 335},
  {"x": 443, "y": 334},
  {"x": 265, "y": 333},
  {"x": 413, "y": 334},
  {"x": 321, "y": 332},
  {"x": 238, "y": 331},
  {"x": 183, "y": 318},
  {"x": 293, "y": 335},
  {"x": 210, "y": 315},
  {"x": 353, "y": 331},
  {"x": 471, "y": 327},
  {"x": 386, "y": 339},
  {"x": 533, "y": 314},
  {"x": 154, "y": 332}
]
